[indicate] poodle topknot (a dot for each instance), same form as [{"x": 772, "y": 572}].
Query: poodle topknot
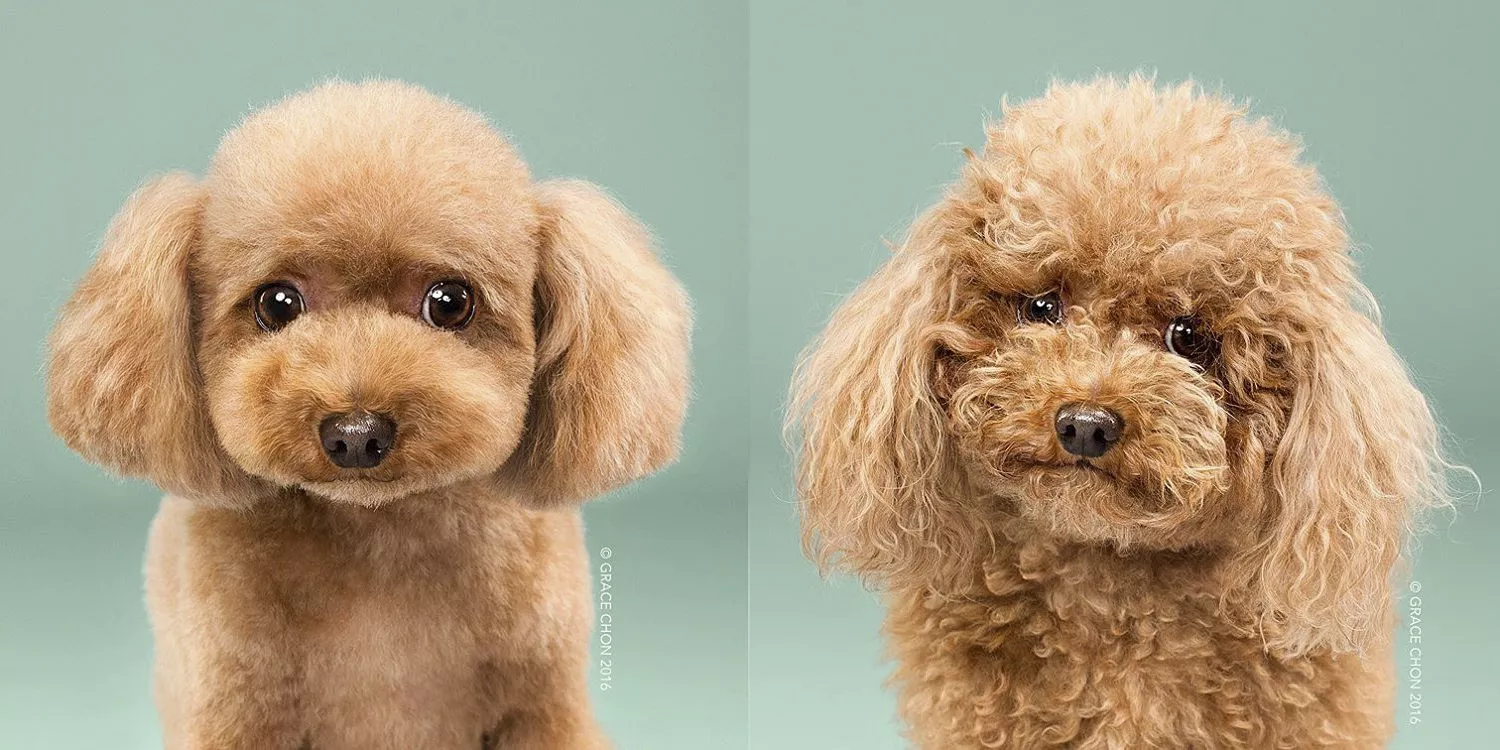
[
  {"x": 376, "y": 366},
  {"x": 1118, "y": 433}
]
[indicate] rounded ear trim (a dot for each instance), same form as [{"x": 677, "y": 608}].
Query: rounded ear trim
[
  {"x": 123, "y": 389},
  {"x": 613, "y": 324}
]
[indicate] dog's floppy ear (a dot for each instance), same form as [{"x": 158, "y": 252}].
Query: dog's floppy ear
[
  {"x": 123, "y": 389},
  {"x": 874, "y": 449},
  {"x": 611, "y": 381},
  {"x": 1356, "y": 464}
]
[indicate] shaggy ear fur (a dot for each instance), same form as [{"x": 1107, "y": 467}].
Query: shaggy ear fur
[
  {"x": 123, "y": 389},
  {"x": 874, "y": 446},
  {"x": 1357, "y": 462},
  {"x": 612, "y": 352}
]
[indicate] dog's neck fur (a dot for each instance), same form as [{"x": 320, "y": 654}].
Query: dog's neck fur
[
  {"x": 1102, "y": 581},
  {"x": 1056, "y": 644},
  {"x": 430, "y": 527}
]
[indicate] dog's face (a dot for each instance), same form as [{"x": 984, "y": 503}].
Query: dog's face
[
  {"x": 365, "y": 292},
  {"x": 1118, "y": 355},
  {"x": 365, "y": 298},
  {"x": 1098, "y": 406},
  {"x": 1131, "y": 323}
]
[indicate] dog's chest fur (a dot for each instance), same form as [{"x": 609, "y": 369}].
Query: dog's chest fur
[
  {"x": 384, "y": 664},
  {"x": 414, "y": 631},
  {"x": 1083, "y": 648}
]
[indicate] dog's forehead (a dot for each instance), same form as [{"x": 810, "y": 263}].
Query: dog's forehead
[
  {"x": 1176, "y": 199},
  {"x": 369, "y": 233},
  {"x": 365, "y": 181},
  {"x": 1150, "y": 248},
  {"x": 341, "y": 213}
]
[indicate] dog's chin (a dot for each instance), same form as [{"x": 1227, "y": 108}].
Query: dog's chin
[
  {"x": 366, "y": 493},
  {"x": 1085, "y": 503}
]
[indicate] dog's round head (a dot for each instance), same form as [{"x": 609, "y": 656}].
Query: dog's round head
[
  {"x": 1132, "y": 322},
  {"x": 368, "y": 297}
]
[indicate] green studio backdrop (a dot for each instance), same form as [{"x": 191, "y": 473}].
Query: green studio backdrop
[
  {"x": 859, "y": 112},
  {"x": 774, "y": 146},
  {"x": 647, "y": 100}
]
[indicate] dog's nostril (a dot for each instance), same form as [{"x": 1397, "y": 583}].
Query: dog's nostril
[
  {"x": 357, "y": 440},
  {"x": 1088, "y": 430}
]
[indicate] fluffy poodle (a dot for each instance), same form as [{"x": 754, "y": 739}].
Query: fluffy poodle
[
  {"x": 1118, "y": 434},
  {"x": 376, "y": 367}
]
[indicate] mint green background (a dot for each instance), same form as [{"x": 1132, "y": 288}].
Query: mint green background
[
  {"x": 858, "y": 114},
  {"x": 648, "y": 100},
  {"x": 773, "y": 147}
]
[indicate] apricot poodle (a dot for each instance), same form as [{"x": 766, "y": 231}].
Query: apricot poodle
[
  {"x": 375, "y": 366},
  {"x": 1118, "y": 434}
]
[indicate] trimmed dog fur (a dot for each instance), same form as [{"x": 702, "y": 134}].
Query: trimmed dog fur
[
  {"x": 1219, "y": 575},
  {"x": 441, "y": 598}
]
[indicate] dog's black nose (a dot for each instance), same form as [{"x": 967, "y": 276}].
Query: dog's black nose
[
  {"x": 357, "y": 440},
  {"x": 1088, "y": 430}
]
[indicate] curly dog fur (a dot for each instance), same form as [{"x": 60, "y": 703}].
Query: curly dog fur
[
  {"x": 441, "y": 598},
  {"x": 1220, "y": 577}
]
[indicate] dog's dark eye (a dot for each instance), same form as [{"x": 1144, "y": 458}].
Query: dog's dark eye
[
  {"x": 1047, "y": 309},
  {"x": 449, "y": 304},
  {"x": 277, "y": 305},
  {"x": 1187, "y": 337}
]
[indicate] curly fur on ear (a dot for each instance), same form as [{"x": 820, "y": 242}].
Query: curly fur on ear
[
  {"x": 612, "y": 352},
  {"x": 874, "y": 444},
  {"x": 123, "y": 389},
  {"x": 1358, "y": 463}
]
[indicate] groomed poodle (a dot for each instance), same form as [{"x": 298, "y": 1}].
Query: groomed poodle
[
  {"x": 1118, "y": 434},
  {"x": 376, "y": 367}
]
